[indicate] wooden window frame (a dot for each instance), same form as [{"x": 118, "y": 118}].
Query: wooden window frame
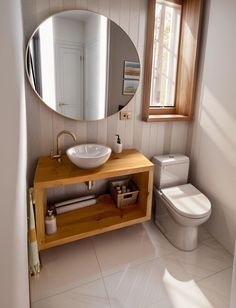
[{"x": 186, "y": 67}]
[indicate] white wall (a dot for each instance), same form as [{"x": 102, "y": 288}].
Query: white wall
[
  {"x": 44, "y": 124},
  {"x": 233, "y": 288},
  {"x": 13, "y": 222},
  {"x": 68, "y": 30},
  {"x": 94, "y": 87},
  {"x": 213, "y": 141},
  {"x": 92, "y": 29}
]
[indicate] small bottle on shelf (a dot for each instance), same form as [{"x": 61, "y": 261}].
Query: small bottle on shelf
[
  {"x": 117, "y": 148},
  {"x": 50, "y": 223}
]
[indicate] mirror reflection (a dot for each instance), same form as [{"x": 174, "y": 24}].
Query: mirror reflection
[{"x": 82, "y": 65}]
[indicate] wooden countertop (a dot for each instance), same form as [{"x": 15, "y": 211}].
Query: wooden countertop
[{"x": 50, "y": 173}]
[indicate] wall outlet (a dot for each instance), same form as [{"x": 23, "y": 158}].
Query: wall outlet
[{"x": 125, "y": 115}]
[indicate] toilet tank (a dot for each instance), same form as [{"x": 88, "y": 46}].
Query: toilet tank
[{"x": 170, "y": 170}]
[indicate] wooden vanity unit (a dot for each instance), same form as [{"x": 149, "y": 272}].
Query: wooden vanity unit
[{"x": 101, "y": 217}]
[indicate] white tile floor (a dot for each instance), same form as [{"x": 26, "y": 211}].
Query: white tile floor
[{"x": 134, "y": 267}]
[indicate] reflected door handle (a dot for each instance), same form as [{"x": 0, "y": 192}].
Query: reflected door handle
[{"x": 62, "y": 104}]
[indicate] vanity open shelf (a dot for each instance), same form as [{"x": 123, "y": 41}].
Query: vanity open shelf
[{"x": 101, "y": 217}]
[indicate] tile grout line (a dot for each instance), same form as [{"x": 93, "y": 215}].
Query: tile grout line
[
  {"x": 65, "y": 291},
  {"x": 107, "y": 294},
  {"x": 152, "y": 259},
  {"x": 213, "y": 274},
  {"x": 102, "y": 276},
  {"x": 135, "y": 265},
  {"x": 76, "y": 286},
  {"x": 129, "y": 265}
]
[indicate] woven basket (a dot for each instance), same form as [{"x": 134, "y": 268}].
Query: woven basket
[{"x": 123, "y": 200}]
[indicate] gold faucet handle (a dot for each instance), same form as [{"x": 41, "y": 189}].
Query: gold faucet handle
[
  {"x": 55, "y": 156},
  {"x": 51, "y": 153}
]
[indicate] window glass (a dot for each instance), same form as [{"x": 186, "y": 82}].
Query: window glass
[{"x": 165, "y": 54}]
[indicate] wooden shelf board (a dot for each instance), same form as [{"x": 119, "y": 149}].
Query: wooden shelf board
[
  {"x": 51, "y": 173},
  {"x": 167, "y": 118},
  {"x": 92, "y": 220}
]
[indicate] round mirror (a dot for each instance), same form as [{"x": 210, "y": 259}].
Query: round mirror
[{"x": 82, "y": 65}]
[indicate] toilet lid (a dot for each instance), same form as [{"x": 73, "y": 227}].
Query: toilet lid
[{"x": 187, "y": 200}]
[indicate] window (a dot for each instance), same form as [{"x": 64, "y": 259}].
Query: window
[
  {"x": 171, "y": 59},
  {"x": 165, "y": 53}
]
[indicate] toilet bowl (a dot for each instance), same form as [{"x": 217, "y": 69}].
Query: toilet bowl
[
  {"x": 179, "y": 209},
  {"x": 181, "y": 228}
]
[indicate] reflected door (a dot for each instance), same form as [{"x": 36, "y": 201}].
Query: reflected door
[
  {"x": 92, "y": 81},
  {"x": 69, "y": 74}
]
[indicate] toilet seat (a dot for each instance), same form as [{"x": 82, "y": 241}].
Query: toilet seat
[{"x": 187, "y": 200}]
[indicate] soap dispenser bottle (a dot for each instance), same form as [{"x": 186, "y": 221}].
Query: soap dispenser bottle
[
  {"x": 118, "y": 145},
  {"x": 50, "y": 223}
]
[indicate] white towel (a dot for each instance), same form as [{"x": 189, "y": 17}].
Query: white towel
[
  {"x": 75, "y": 206},
  {"x": 74, "y": 200},
  {"x": 34, "y": 264}
]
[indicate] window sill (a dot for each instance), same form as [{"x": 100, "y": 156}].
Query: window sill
[{"x": 167, "y": 118}]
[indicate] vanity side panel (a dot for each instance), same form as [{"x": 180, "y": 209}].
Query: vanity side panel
[
  {"x": 40, "y": 212},
  {"x": 144, "y": 181}
]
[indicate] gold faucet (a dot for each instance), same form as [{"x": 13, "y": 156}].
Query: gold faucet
[{"x": 58, "y": 152}]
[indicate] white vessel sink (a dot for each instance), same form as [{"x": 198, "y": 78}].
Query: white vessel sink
[{"x": 89, "y": 156}]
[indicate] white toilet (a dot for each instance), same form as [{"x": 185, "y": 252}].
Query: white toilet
[{"x": 179, "y": 207}]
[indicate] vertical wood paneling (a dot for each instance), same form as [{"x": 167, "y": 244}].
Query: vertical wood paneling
[
  {"x": 124, "y": 18},
  {"x": 58, "y": 124},
  {"x": 33, "y": 136},
  {"x": 145, "y": 139},
  {"x": 71, "y": 126},
  {"x": 55, "y": 6},
  {"x": 134, "y": 21},
  {"x": 30, "y": 18},
  {"x": 167, "y": 137},
  {"x": 160, "y": 139},
  {"x": 93, "y": 5},
  {"x": 45, "y": 114},
  {"x": 112, "y": 121},
  {"x": 104, "y": 7},
  {"x": 81, "y": 4},
  {"x": 133, "y": 32},
  {"x": 42, "y": 10},
  {"x": 92, "y": 131},
  {"x": 121, "y": 129},
  {"x": 102, "y": 132},
  {"x": 92, "y": 126},
  {"x": 46, "y": 131},
  {"x": 115, "y": 11},
  {"x": 137, "y": 123},
  {"x": 69, "y": 4},
  {"x": 44, "y": 124},
  {"x": 123, "y": 21},
  {"x": 179, "y": 137},
  {"x": 111, "y": 129},
  {"x": 153, "y": 146}
]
